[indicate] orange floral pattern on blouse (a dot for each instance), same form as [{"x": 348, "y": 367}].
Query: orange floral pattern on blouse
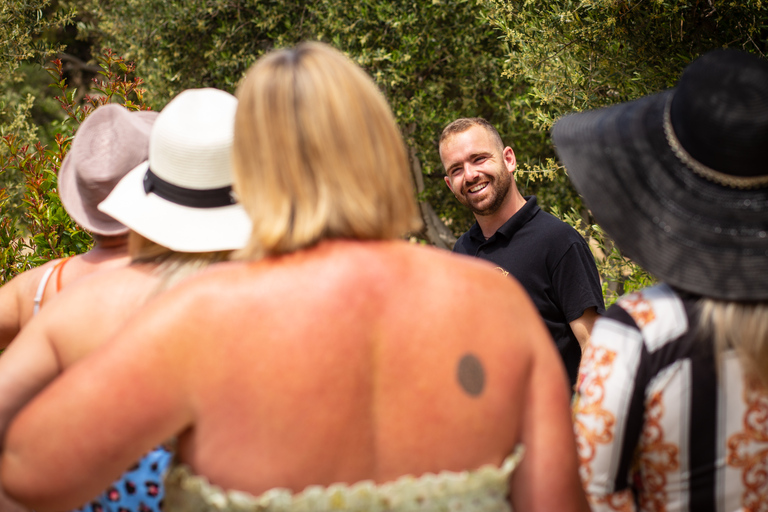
[
  {"x": 593, "y": 423},
  {"x": 655, "y": 458},
  {"x": 748, "y": 450},
  {"x": 640, "y": 309},
  {"x": 622, "y": 501}
]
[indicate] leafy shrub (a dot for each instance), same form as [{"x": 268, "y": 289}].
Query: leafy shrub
[
  {"x": 589, "y": 54},
  {"x": 584, "y": 55},
  {"x": 35, "y": 228},
  {"x": 435, "y": 60}
]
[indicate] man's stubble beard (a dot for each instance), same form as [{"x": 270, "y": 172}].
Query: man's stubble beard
[{"x": 501, "y": 186}]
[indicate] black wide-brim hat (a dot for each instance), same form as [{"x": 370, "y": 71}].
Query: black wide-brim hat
[{"x": 679, "y": 179}]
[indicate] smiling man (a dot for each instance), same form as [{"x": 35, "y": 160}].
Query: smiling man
[{"x": 549, "y": 258}]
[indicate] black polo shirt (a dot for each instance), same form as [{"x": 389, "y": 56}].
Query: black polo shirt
[{"x": 553, "y": 263}]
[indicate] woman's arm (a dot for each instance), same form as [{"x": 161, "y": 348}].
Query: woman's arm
[
  {"x": 548, "y": 477},
  {"x": 73, "y": 324},
  {"x": 103, "y": 413},
  {"x": 26, "y": 367},
  {"x": 17, "y": 301}
]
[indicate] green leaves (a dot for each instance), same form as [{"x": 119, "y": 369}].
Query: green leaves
[
  {"x": 592, "y": 53},
  {"x": 37, "y": 228},
  {"x": 434, "y": 61},
  {"x": 518, "y": 63}
]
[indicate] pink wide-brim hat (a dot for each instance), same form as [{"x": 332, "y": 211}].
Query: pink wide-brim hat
[{"x": 110, "y": 142}]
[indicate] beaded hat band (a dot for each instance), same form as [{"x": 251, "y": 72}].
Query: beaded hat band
[
  {"x": 678, "y": 178},
  {"x": 727, "y": 180}
]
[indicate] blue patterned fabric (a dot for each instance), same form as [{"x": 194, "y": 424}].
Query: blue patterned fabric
[{"x": 140, "y": 489}]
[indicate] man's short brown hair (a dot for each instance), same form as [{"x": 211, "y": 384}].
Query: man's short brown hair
[{"x": 465, "y": 123}]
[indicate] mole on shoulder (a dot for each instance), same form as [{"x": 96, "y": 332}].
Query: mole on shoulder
[{"x": 471, "y": 374}]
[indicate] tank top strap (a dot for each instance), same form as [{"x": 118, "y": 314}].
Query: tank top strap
[
  {"x": 60, "y": 267},
  {"x": 41, "y": 289},
  {"x": 38, "y": 301}
]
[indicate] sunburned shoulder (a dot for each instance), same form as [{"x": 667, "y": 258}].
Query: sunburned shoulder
[
  {"x": 106, "y": 285},
  {"x": 17, "y": 302},
  {"x": 387, "y": 288},
  {"x": 140, "y": 274},
  {"x": 403, "y": 262},
  {"x": 435, "y": 274},
  {"x": 25, "y": 284},
  {"x": 379, "y": 265},
  {"x": 100, "y": 301}
]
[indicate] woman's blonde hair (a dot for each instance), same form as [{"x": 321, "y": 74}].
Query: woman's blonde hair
[
  {"x": 317, "y": 154},
  {"x": 742, "y": 326},
  {"x": 171, "y": 266}
]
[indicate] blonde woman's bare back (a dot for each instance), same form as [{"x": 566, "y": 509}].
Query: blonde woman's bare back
[
  {"x": 349, "y": 361},
  {"x": 364, "y": 342}
]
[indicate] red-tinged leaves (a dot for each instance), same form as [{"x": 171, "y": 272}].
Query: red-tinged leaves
[{"x": 43, "y": 230}]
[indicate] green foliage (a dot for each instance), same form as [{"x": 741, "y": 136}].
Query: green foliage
[
  {"x": 518, "y": 63},
  {"x": 579, "y": 55},
  {"x": 586, "y": 54},
  {"x": 38, "y": 229},
  {"x": 48, "y": 233},
  {"x": 22, "y": 22},
  {"x": 435, "y": 60}
]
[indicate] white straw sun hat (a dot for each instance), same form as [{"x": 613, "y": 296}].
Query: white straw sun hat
[{"x": 181, "y": 198}]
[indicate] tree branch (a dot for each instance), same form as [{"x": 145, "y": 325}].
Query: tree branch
[
  {"x": 75, "y": 64},
  {"x": 435, "y": 229}
]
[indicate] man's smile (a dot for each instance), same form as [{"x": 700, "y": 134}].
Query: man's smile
[{"x": 477, "y": 188}]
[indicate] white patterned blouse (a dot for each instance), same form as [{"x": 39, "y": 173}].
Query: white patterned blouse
[{"x": 659, "y": 424}]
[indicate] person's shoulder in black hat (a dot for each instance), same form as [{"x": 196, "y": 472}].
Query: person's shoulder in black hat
[{"x": 679, "y": 181}]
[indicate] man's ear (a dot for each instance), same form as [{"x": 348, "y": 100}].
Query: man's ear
[
  {"x": 448, "y": 182},
  {"x": 509, "y": 159}
]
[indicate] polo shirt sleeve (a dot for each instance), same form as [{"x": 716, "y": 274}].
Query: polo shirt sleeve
[{"x": 576, "y": 282}]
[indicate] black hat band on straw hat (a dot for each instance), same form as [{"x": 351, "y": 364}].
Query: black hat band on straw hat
[
  {"x": 194, "y": 198},
  {"x": 727, "y": 180}
]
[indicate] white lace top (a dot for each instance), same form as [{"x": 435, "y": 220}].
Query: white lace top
[{"x": 482, "y": 490}]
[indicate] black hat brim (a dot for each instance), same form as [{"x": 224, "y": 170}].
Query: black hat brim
[{"x": 696, "y": 235}]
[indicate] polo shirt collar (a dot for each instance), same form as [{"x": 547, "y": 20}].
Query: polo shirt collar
[{"x": 509, "y": 228}]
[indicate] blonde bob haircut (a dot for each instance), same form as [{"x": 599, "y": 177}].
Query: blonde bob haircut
[{"x": 317, "y": 154}]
